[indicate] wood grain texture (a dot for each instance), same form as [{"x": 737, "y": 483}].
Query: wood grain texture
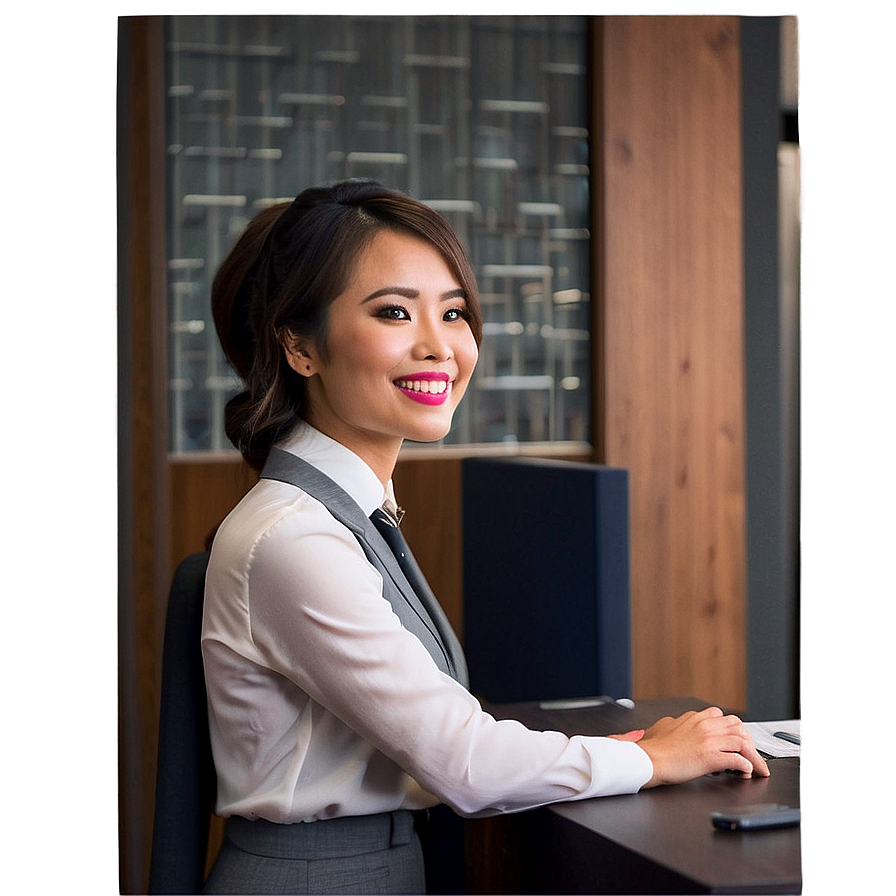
[
  {"x": 430, "y": 493},
  {"x": 203, "y": 490},
  {"x": 671, "y": 367},
  {"x": 143, "y": 559}
]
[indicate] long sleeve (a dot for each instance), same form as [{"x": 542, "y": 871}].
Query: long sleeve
[{"x": 357, "y": 717}]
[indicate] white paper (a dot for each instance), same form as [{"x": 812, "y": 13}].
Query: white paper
[{"x": 763, "y": 734}]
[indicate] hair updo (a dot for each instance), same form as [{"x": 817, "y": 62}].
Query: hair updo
[{"x": 279, "y": 279}]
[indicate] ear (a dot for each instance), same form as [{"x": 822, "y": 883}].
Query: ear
[{"x": 298, "y": 354}]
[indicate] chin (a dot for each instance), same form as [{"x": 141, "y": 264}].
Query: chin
[
  {"x": 428, "y": 438},
  {"x": 429, "y": 433}
]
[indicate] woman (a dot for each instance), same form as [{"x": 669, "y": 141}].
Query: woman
[{"x": 336, "y": 688}]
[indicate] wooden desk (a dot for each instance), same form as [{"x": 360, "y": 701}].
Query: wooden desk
[{"x": 658, "y": 841}]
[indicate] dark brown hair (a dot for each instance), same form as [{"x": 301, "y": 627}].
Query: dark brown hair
[{"x": 278, "y": 282}]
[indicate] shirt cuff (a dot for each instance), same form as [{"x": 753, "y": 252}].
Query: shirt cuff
[{"x": 617, "y": 767}]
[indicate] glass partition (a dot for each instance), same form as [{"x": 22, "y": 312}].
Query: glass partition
[{"x": 484, "y": 118}]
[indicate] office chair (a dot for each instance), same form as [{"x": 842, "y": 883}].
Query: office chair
[{"x": 185, "y": 772}]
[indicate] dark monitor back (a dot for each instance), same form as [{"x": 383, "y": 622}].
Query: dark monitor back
[{"x": 546, "y": 579}]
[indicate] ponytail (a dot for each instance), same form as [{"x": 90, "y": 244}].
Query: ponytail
[{"x": 254, "y": 418}]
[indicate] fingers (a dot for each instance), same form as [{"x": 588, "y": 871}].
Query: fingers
[
  {"x": 735, "y": 741},
  {"x": 760, "y": 766},
  {"x": 731, "y": 754},
  {"x": 735, "y": 762},
  {"x": 699, "y": 742}
]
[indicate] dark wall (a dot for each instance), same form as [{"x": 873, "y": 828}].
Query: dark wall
[{"x": 772, "y": 390}]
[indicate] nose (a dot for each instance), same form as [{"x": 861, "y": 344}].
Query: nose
[{"x": 433, "y": 340}]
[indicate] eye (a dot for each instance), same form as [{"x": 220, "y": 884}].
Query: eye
[
  {"x": 393, "y": 312},
  {"x": 455, "y": 314}
]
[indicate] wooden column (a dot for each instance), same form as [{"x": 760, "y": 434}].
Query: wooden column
[
  {"x": 430, "y": 493},
  {"x": 669, "y": 338},
  {"x": 144, "y": 571}
]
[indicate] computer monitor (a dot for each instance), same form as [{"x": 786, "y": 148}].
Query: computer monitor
[{"x": 546, "y": 579}]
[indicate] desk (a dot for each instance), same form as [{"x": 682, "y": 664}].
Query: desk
[{"x": 658, "y": 841}]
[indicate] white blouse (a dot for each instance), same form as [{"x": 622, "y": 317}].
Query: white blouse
[{"x": 321, "y": 704}]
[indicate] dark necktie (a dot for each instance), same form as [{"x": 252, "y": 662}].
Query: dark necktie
[{"x": 387, "y": 525}]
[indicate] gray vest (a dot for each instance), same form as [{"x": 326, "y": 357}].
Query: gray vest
[{"x": 415, "y": 605}]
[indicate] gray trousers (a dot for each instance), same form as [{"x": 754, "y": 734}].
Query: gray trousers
[{"x": 360, "y": 854}]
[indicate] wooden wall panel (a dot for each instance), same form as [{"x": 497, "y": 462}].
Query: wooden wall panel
[
  {"x": 430, "y": 493},
  {"x": 143, "y": 510},
  {"x": 670, "y": 336},
  {"x": 203, "y": 488}
]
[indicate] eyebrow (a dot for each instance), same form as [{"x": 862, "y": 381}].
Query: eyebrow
[{"x": 407, "y": 293}]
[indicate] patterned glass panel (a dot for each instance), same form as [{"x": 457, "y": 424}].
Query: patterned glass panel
[{"x": 484, "y": 118}]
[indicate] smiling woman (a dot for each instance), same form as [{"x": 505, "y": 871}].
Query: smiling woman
[
  {"x": 368, "y": 252},
  {"x": 338, "y": 699}
]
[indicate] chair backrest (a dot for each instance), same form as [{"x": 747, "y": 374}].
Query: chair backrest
[{"x": 185, "y": 775}]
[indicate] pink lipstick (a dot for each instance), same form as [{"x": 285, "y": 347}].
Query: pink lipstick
[{"x": 431, "y": 388}]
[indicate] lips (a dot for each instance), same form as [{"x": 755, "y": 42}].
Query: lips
[{"x": 431, "y": 388}]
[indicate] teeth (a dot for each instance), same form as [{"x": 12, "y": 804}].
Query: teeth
[{"x": 434, "y": 387}]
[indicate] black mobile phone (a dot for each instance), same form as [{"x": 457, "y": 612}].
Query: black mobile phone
[{"x": 756, "y": 817}]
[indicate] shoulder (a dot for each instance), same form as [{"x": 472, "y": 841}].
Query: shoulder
[
  {"x": 280, "y": 534},
  {"x": 282, "y": 566},
  {"x": 271, "y": 516}
]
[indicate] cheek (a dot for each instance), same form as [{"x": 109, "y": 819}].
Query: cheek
[
  {"x": 470, "y": 355},
  {"x": 381, "y": 357},
  {"x": 466, "y": 355},
  {"x": 366, "y": 352}
]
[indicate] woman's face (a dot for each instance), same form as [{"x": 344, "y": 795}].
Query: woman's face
[{"x": 399, "y": 352}]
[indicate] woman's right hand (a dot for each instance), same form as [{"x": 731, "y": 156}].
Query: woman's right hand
[{"x": 698, "y": 743}]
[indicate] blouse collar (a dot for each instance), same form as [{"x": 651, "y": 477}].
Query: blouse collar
[{"x": 342, "y": 465}]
